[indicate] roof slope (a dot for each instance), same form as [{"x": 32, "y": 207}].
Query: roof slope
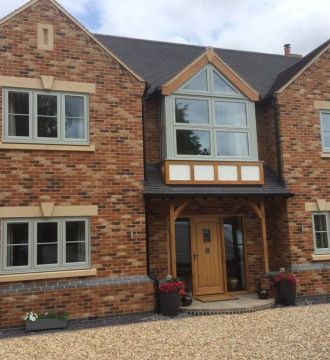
[
  {"x": 285, "y": 76},
  {"x": 155, "y": 187},
  {"x": 157, "y": 62}
]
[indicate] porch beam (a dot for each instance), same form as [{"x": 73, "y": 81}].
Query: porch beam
[{"x": 174, "y": 212}]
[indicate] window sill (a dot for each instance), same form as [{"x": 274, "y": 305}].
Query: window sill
[
  {"x": 79, "y": 148},
  {"x": 47, "y": 275},
  {"x": 319, "y": 257},
  {"x": 325, "y": 155}
]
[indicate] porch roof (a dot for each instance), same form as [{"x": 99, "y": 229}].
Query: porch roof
[{"x": 155, "y": 186}]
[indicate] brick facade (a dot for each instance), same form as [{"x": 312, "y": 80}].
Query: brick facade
[{"x": 111, "y": 177}]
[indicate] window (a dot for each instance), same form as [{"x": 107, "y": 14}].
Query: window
[
  {"x": 321, "y": 232},
  {"x": 45, "y": 117},
  {"x": 41, "y": 245},
  {"x": 325, "y": 129},
  {"x": 209, "y": 119}
]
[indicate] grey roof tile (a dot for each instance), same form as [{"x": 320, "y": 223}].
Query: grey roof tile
[{"x": 157, "y": 62}]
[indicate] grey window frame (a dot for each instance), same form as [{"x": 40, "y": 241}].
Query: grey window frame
[
  {"x": 317, "y": 250},
  {"x": 33, "y": 138},
  {"x": 171, "y": 126},
  {"x": 324, "y": 148},
  {"x": 32, "y": 257}
]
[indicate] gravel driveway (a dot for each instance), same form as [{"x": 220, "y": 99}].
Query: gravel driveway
[{"x": 282, "y": 333}]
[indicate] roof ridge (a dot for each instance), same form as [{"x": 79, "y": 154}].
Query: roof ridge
[{"x": 190, "y": 45}]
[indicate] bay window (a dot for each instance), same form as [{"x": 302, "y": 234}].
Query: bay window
[
  {"x": 208, "y": 119},
  {"x": 34, "y": 245},
  {"x": 45, "y": 117}
]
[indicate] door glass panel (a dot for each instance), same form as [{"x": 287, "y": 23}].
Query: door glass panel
[
  {"x": 193, "y": 142},
  {"x": 234, "y": 247},
  {"x": 188, "y": 111},
  {"x": 183, "y": 252},
  {"x": 47, "y": 235}
]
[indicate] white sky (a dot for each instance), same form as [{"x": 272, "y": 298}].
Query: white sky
[{"x": 256, "y": 25}]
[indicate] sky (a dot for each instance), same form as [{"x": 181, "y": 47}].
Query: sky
[{"x": 255, "y": 25}]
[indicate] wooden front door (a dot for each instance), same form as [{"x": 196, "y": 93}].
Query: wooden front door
[{"x": 207, "y": 257}]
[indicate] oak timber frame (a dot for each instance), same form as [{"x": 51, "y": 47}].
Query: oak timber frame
[{"x": 176, "y": 208}]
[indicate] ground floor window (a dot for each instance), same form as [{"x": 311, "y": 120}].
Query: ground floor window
[
  {"x": 321, "y": 232},
  {"x": 32, "y": 245}
]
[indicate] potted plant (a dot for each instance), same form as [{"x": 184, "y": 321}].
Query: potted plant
[
  {"x": 286, "y": 284},
  {"x": 170, "y": 292},
  {"x": 47, "y": 321}
]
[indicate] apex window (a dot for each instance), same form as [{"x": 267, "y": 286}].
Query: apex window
[
  {"x": 45, "y": 117},
  {"x": 43, "y": 245}
]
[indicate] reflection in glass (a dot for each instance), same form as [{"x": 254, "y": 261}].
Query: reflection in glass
[
  {"x": 230, "y": 113},
  {"x": 232, "y": 143},
  {"x": 17, "y": 244},
  {"x": 47, "y": 116},
  {"x": 234, "y": 248},
  {"x": 193, "y": 142},
  {"x": 191, "y": 111},
  {"x": 198, "y": 83},
  {"x": 221, "y": 86},
  {"x": 18, "y": 114},
  {"x": 47, "y": 235}
]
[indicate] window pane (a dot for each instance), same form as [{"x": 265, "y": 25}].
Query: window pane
[
  {"x": 46, "y": 254},
  {"x": 193, "y": 142},
  {"x": 326, "y": 121},
  {"x": 75, "y": 231},
  {"x": 18, "y": 255},
  {"x": 75, "y": 252},
  {"x": 232, "y": 144},
  {"x": 74, "y": 128},
  {"x": 320, "y": 222},
  {"x": 17, "y": 233},
  {"x": 221, "y": 86},
  {"x": 230, "y": 113},
  {"x": 47, "y": 105},
  {"x": 326, "y": 139},
  {"x": 199, "y": 83},
  {"x": 18, "y": 125},
  {"x": 74, "y": 106},
  {"x": 321, "y": 240},
  {"x": 18, "y": 103},
  {"x": 47, "y": 232},
  {"x": 47, "y": 127},
  {"x": 191, "y": 111}
]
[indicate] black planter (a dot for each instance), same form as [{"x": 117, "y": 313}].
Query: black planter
[
  {"x": 169, "y": 303},
  {"x": 46, "y": 324},
  {"x": 287, "y": 293}
]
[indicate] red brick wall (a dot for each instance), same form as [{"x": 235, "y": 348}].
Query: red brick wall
[
  {"x": 153, "y": 130},
  {"x": 111, "y": 176},
  {"x": 305, "y": 171}
]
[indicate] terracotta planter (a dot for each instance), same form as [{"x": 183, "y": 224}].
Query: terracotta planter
[
  {"x": 287, "y": 293},
  {"x": 169, "y": 303},
  {"x": 46, "y": 324}
]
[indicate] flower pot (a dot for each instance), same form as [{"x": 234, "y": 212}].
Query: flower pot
[
  {"x": 186, "y": 300},
  {"x": 287, "y": 293},
  {"x": 46, "y": 324},
  {"x": 232, "y": 283},
  {"x": 169, "y": 303}
]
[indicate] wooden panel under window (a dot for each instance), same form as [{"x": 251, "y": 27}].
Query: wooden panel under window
[{"x": 213, "y": 172}]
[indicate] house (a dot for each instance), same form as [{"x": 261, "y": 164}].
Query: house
[{"x": 124, "y": 160}]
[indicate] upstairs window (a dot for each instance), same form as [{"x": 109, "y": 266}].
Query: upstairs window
[
  {"x": 210, "y": 119},
  {"x": 325, "y": 129},
  {"x": 45, "y": 117}
]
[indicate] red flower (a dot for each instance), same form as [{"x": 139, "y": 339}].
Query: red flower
[
  {"x": 172, "y": 286},
  {"x": 285, "y": 277}
]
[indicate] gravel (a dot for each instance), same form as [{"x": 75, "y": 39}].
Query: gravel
[{"x": 280, "y": 333}]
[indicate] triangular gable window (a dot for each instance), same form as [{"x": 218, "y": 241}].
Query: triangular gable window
[
  {"x": 220, "y": 86},
  {"x": 199, "y": 83}
]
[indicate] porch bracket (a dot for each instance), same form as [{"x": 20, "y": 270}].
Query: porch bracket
[
  {"x": 175, "y": 211},
  {"x": 260, "y": 211}
]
